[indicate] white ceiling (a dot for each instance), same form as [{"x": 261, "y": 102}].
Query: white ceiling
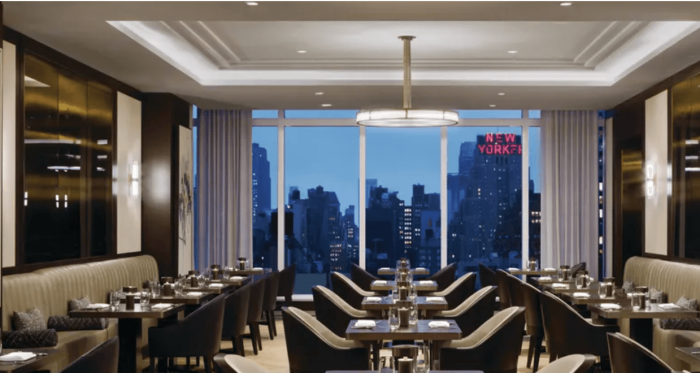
[{"x": 588, "y": 56}]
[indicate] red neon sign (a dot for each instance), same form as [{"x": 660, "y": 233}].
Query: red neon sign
[{"x": 500, "y": 144}]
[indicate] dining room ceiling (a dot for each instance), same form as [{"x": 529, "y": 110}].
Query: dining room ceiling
[{"x": 467, "y": 55}]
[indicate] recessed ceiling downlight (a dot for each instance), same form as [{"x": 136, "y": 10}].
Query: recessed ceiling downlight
[
  {"x": 251, "y": 3},
  {"x": 565, "y": 4},
  {"x": 326, "y": 105}
]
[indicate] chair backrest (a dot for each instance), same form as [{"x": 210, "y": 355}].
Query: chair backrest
[
  {"x": 206, "y": 324},
  {"x": 236, "y": 312},
  {"x": 286, "y": 281},
  {"x": 503, "y": 288},
  {"x": 237, "y": 364},
  {"x": 332, "y": 311},
  {"x": 628, "y": 356},
  {"x": 347, "y": 289},
  {"x": 257, "y": 296},
  {"x": 271, "y": 284},
  {"x": 459, "y": 290},
  {"x": 515, "y": 290},
  {"x": 487, "y": 276},
  {"x": 533, "y": 312},
  {"x": 103, "y": 358},
  {"x": 570, "y": 364},
  {"x": 362, "y": 278},
  {"x": 474, "y": 311},
  {"x": 578, "y": 267},
  {"x": 444, "y": 277}
]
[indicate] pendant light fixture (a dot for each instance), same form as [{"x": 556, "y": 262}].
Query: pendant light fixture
[{"x": 407, "y": 116}]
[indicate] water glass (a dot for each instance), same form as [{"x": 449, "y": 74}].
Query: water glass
[
  {"x": 637, "y": 300},
  {"x": 114, "y": 299},
  {"x": 155, "y": 289},
  {"x": 602, "y": 289},
  {"x": 393, "y": 317},
  {"x": 145, "y": 298},
  {"x": 423, "y": 358},
  {"x": 413, "y": 313},
  {"x": 386, "y": 365}
]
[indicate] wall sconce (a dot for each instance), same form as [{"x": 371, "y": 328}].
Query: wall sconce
[
  {"x": 650, "y": 184},
  {"x": 134, "y": 177}
]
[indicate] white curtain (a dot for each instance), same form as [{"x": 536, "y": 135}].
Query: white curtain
[
  {"x": 570, "y": 189},
  {"x": 224, "y": 187}
]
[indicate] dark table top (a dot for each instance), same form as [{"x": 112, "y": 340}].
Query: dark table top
[
  {"x": 237, "y": 281},
  {"x": 419, "y": 332},
  {"x": 208, "y": 289},
  {"x": 569, "y": 287},
  {"x": 391, "y": 271},
  {"x": 594, "y": 298},
  {"x": 544, "y": 281},
  {"x": 537, "y": 272},
  {"x": 688, "y": 354},
  {"x": 626, "y": 312},
  {"x": 123, "y": 313},
  {"x": 247, "y": 272},
  {"x": 434, "y": 371},
  {"x": 388, "y": 301},
  {"x": 390, "y": 285},
  {"x": 32, "y": 364},
  {"x": 186, "y": 298}
]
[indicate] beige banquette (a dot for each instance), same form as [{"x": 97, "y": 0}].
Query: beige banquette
[
  {"x": 51, "y": 289},
  {"x": 676, "y": 280}
]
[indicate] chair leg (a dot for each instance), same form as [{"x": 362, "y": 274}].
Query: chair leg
[
  {"x": 537, "y": 351},
  {"x": 187, "y": 361},
  {"x": 530, "y": 351},
  {"x": 240, "y": 347},
  {"x": 552, "y": 357},
  {"x": 198, "y": 361},
  {"x": 153, "y": 365},
  {"x": 274, "y": 324},
  {"x": 259, "y": 336},
  {"x": 207, "y": 364},
  {"x": 253, "y": 338},
  {"x": 268, "y": 315}
]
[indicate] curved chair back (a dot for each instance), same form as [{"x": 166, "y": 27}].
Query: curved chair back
[
  {"x": 236, "y": 313},
  {"x": 503, "y": 288},
  {"x": 333, "y": 312},
  {"x": 628, "y": 356},
  {"x": 271, "y": 285},
  {"x": 303, "y": 333},
  {"x": 577, "y": 267},
  {"x": 494, "y": 347},
  {"x": 570, "y": 364},
  {"x": 237, "y": 364},
  {"x": 487, "y": 276},
  {"x": 473, "y": 312},
  {"x": 286, "y": 283},
  {"x": 257, "y": 296},
  {"x": 459, "y": 290},
  {"x": 515, "y": 289},
  {"x": 103, "y": 358},
  {"x": 533, "y": 312},
  {"x": 362, "y": 278},
  {"x": 444, "y": 277},
  {"x": 348, "y": 290}
]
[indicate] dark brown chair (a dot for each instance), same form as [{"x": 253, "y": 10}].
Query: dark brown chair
[
  {"x": 237, "y": 364},
  {"x": 270, "y": 303},
  {"x": 285, "y": 288},
  {"x": 444, "y": 277},
  {"x": 349, "y": 291},
  {"x": 493, "y": 348},
  {"x": 515, "y": 289},
  {"x": 236, "y": 318},
  {"x": 568, "y": 364},
  {"x": 333, "y": 312},
  {"x": 533, "y": 318},
  {"x": 458, "y": 291},
  {"x": 487, "y": 276},
  {"x": 103, "y": 358},
  {"x": 255, "y": 305},
  {"x": 303, "y": 333},
  {"x": 503, "y": 288},
  {"x": 578, "y": 267},
  {"x": 561, "y": 322},
  {"x": 628, "y": 356},
  {"x": 473, "y": 312},
  {"x": 362, "y": 278},
  {"x": 198, "y": 334}
]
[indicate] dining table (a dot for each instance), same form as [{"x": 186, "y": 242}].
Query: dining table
[
  {"x": 426, "y": 305},
  {"x": 131, "y": 359},
  {"x": 690, "y": 355},
  {"x": 216, "y": 289},
  {"x": 544, "y": 280},
  {"x": 569, "y": 287},
  {"x": 533, "y": 272},
  {"x": 418, "y": 271},
  {"x": 641, "y": 320},
  {"x": 45, "y": 357},
  {"x": 382, "y": 285},
  {"x": 577, "y": 299}
]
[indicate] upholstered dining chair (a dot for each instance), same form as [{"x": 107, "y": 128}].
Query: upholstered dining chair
[
  {"x": 533, "y": 322},
  {"x": 444, "y": 277},
  {"x": 515, "y": 289},
  {"x": 493, "y": 348},
  {"x": 628, "y": 356},
  {"x": 473, "y": 312},
  {"x": 561, "y": 322},
  {"x": 333, "y": 312},
  {"x": 198, "y": 334},
  {"x": 255, "y": 306},
  {"x": 103, "y": 358},
  {"x": 362, "y": 278},
  {"x": 487, "y": 276},
  {"x": 348, "y": 290},
  {"x": 570, "y": 364},
  {"x": 270, "y": 303},
  {"x": 237, "y": 364},
  {"x": 286, "y": 280},
  {"x": 503, "y": 288},
  {"x": 458, "y": 291},
  {"x": 236, "y": 318},
  {"x": 303, "y": 333}
]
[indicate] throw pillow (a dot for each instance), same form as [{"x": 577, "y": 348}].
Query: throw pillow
[
  {"x": 63, "y": 323},
  {"x": 30, "y": 320},
  {"x": 657, "y": 296},
  {"x": 683, "y": 324},
  {"x": 628, "y": 287},
  {"x": 30, "y": 339},
  {"x": 90, "y": 324},
  {"x": 78, "y": 304}
]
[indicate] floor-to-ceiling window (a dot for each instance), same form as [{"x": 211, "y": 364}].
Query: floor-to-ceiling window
[
  {"x": 264, "y": 196},
  {"x": 534, "y": 194}
]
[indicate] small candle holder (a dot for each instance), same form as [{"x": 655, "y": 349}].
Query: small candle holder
[
  {"x": 241, "y": 263},
  {"x": 130, "y": 301},
  {"x": 404, "y": 312},
  {"x": 169, "y": 289},
  {"x": 194, "y": 282},
  {"x": 215, "y": 272}
]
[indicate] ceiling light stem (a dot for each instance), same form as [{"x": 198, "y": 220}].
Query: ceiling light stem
[{"x": 407, "y": 70}]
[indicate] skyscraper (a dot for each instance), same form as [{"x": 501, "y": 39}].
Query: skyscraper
[
  {"x": 261, "y": 180},
  {"x": 369, "y": 185}
]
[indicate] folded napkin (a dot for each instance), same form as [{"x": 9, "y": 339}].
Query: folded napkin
[
  {"x": 669, "y": 306},
  {"x": 237, "y": 278},
  {"x": 17, "y": 356},
  {"x": 216, "y": 285},
  {"x": 550, "y": 269},
  {"x": 257, "y": 268},
  {"x": 425, "y": 282},
  {"x": 559, "y": 285},
  {"x": 610, "y": 306},
  {"x": 374, "y": 299},
  {"x": 434, "y": 299},
  {"x": 438, "y": 324},
  {"x": 161, "y": 306},
  {"x": 420, "y": 269},
  {"x": 380, "y": 282},
  {"x": 97, "y": 306},
  {"x": 582, "y": 295},
  {"x": 365, "y": 324},
  {"x": 513, "y": 269},
  {"x": 384, "y": 269},
  {"x": 194, "y": 294},
  {"x": 546, "y": 278}
]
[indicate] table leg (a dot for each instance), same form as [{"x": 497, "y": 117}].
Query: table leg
[
  {"x": 129, "y": 335},
  {"x": 642, "y": 331}
]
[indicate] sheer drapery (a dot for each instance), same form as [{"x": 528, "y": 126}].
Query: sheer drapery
[
  {"x": 224, "y": 182},
  {"x": 569, "y": 189}
]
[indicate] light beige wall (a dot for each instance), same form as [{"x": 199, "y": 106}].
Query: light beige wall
[
  {"x": 656, "y": 154},
  {"x": 128, "y": 152},
  {"x": 9, "y": 136}
]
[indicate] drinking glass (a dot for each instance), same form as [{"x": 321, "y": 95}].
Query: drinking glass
[
  {"x": 413, "y": 313},
  {"x": 155, "y": 289},
  {"x": 145, "y": 298},
  {"x": 114, "y": 299},
  {"x": 227, "y": 273},
  {"x": 423, "y": 358},
  {"x": 178, "y": 288},
  {"x": 602, "y": 289},
  {"x": 637, "y": 299},
  {"x": 386, "y": 365},
  {"x": 393, "y": 317},
  {"x": 412, "y": 292}
]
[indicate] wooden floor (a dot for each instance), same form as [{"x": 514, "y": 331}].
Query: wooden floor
[{"x": 274, "y": 354}]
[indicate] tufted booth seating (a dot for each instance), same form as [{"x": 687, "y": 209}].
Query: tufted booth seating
[
  {"x": 51, "y": 289},
  {"x": 676, "y": 280}
]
